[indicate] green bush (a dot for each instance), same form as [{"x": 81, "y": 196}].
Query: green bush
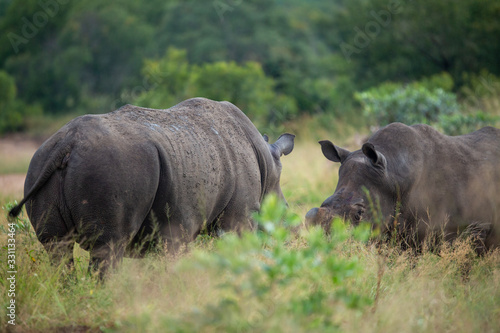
[
  {"x": 439, "y": 81},
  {"x": 13, "y": 112},
  {"x": 457, "y": 124},
  {"x": 256, "y": 266},
  {"x": 173, "y": 79},
  {"x": 409, "y": 104},
  {"x": 429, "y": 101}
]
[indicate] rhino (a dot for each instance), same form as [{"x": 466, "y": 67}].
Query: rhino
[
  {"x": 116, "y": 183},
  {"x": 416, "y": 182}
]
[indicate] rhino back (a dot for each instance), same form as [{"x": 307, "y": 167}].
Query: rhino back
[
  {"x": 453, "y": 180},
  {"x": 207, "y": 154}
]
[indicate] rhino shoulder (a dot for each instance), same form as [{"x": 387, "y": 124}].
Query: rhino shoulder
[
  {"x": 195, "y": 103},
  {"x": 401, "y": 129},
  {"x": 386, "y": 135},
  {"x": 488, "y": 131},
  {"x": 126, "y": 107}
]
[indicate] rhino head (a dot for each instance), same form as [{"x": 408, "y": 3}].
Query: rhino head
[
  {"x": 364, "y": 191},
  {"x": 283, "y": 146}
]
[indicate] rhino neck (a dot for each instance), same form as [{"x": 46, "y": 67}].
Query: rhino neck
[{"x": 264, "y": 160}]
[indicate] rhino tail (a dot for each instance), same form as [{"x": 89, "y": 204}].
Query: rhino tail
[{"x": 57, "y": 160}]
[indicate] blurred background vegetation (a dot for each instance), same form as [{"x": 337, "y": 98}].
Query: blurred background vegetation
[
  {"x": 316, "y": 68},
  {"x": 361, "y": 62}
]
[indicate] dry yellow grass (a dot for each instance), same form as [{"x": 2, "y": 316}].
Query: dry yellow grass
[{"x": 453, "y": 291}]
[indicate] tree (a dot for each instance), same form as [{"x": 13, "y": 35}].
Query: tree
[
  {"x": 175, "y": 79},
  {"x": 407, "y": 40},
  {"x": 13, "y": 112}
]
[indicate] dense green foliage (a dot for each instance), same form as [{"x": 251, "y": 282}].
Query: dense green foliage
[
  {"x": 429, "y": 101},
  {"x": 246, "y": 85},
  {"x": 13, "y": 111},
  {"x": 301, "y": 57},
  {"x": 407, "y": 104}
]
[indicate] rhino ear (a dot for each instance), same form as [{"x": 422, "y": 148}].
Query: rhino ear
[
  {"x": 266, "y": 138},
  {"x": 376, "y": 158},
  {"x": 332, "y": 152},
  {"x": 284, "y": 144}
]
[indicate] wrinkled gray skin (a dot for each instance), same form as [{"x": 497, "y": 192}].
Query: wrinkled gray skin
[
  {"x": 428, "y": 181},
  {"x": 108, "y": 181}
]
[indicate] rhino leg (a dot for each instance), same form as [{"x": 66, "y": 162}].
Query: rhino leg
[
  {"x": 105, "y": 256},
  {"x": 53, "y": 233},
  {"x": 479, "y": 233},
  {"x": 176, "y": 237},
  {"x": 60, "y": 251},
  {"x": 162, "y": 226},
  {"x": 181, "y": 226},
  {"x": 107, "y": 242},
  {"x": 48, "y": 221},
  {"x": 146, "y": 238},
  {"x": 234, "y": 218}
]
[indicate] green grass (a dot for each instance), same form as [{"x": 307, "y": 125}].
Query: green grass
[{"x": 281, "y": 281}]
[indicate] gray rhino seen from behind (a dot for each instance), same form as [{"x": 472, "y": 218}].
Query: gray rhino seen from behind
[
  {"x": 113, "y": 181},
  {"x": 420, "y": 182}
]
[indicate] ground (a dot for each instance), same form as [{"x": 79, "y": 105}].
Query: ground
[{"x": 15, "y": 154}]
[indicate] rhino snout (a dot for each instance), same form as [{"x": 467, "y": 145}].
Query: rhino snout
[
  {"x": 311, "y": 214},
  {"x": 319, "y": 216},
  {"x": 324, "y": 215}
]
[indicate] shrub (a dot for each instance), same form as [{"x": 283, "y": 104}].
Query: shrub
[
  {"x": 409, "y": 104},
  {"x": 245, "y": 85},
  {"x": 271, "y": 274},
  {"x": 457, "y": 124},
  {"x": 429, "y": 101},
  {"x": 442, "y": 81},
  {"x": 13, "y": 112}
]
